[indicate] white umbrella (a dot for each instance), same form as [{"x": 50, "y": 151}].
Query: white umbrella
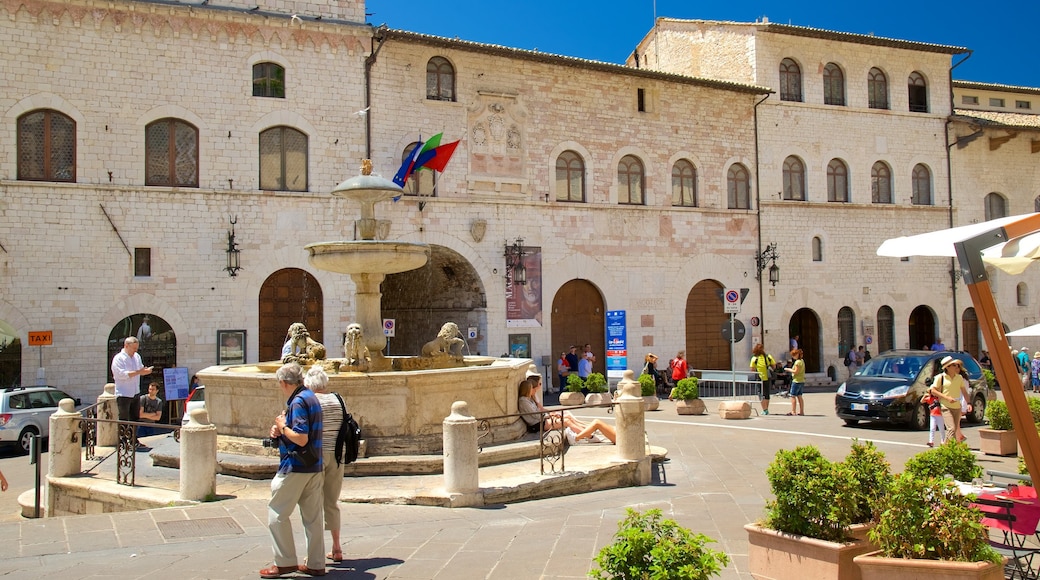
[
  {"x": 1027, "y": 331},
  {"x": 1012, "y": 256}
]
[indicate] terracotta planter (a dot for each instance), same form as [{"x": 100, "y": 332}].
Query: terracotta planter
[
  {"x": 774, "y": 555},
  {"x": 651, "y": 403},
  {"x": 690, "y": 407},
  {"x": 874, "y": 567},
  {"x": 998, "y": 441},
  {"x": 570, "y": 399}
]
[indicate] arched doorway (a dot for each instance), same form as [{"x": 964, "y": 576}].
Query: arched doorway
[
  {"x": 970, "y": 333},
  {"x": 846, "y": 330},
  {"x": 705, "y": 346},
  {"x": 579, "y": 317},
  {"x": 886, "y": 329},
  {"x": 922, "y": 328},
  {"x": 446, "y": 289},
  {"x": 805, "y": 324},
  {"x": 287, "y": 296},
  {"x": 158, "y": 345},
  {"x": 10, "y": 356}
]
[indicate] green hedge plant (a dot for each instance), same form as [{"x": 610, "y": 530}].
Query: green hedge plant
[
  {"x": 685, "y": 389},
  {"x": 648, "y": 547},
  {"x": 872, "y": 474},
  {"x": 998, "y": 416},
  {"x": 813, "y": 496},
  {"x": 647, "y": 385},
  {"x": 574, "y": 383},
  {"x": 596, "y": 383},
  {"x": 950, "y": 459}
]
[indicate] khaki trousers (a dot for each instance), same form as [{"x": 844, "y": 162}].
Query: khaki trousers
[
  {"x": 288, "y": 491},
  {"x": 332, "y": 486}
]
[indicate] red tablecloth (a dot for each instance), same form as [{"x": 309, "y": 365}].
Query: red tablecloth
[{"x": 1025, "y": 506}]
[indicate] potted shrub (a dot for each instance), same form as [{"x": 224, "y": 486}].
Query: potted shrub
[
  {"x": 685, "y": 394},
  {"x": 596, "y": 385},
  {"x": 951, "y": 459},
  {"x": 648, "y": 388},
  {"x": 573, "y": 396},
  {"x": 928, "y": 529},
  {"x": 999, "y": 438},
  {"x": 807, "y": 530},
  {"x": 872, "y": 474},
  {"x": 646, "y": 546}
]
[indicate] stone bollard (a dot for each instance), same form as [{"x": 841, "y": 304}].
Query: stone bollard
[
  {"x": 460, "y": 452},
  {"x": 66, "y": 441},
  {"x": 198, "y": 457},
  {"x": 107, "y": 433},
  {"x": 631, "y": 421}
]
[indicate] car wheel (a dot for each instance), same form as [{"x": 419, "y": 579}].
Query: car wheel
[
  {"x": 919, "y": 420},
  {"x": 978, "y": 410},
  {"x": 851, "y": 422},
  {"x": 25, "y": 438}
]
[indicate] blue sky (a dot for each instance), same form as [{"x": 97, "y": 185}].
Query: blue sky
[{"x": 1003, "y": 44}]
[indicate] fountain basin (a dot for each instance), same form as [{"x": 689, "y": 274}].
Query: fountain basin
[{"x": 368, "y": 257}]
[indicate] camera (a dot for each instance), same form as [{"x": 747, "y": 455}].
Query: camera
[{"x": 268, "y": 442}]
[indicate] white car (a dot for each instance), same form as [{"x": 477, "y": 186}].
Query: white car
[
  {"x": 26, "y": 411},
  {"x": 196, "y": 400}
]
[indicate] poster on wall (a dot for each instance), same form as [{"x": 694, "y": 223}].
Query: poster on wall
[
  {"x": 231, "y": 347},
  {"x": 520, "y": 345},
  {"x": 524, "y": 302}
]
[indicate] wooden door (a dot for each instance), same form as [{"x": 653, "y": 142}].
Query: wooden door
[
  {"x": 705, "y": 346},
  {"x": 579, "y": 318},
  {"x": 288, "y": 296}
]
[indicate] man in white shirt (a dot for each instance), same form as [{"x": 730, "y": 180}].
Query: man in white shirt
[{"x": 127, "y": 370}]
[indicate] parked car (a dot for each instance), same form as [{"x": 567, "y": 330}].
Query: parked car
[
  {"x": 196, "y": 400},
  {"x": 26, "y": 411},
  {"x": 890, "y": 386}
]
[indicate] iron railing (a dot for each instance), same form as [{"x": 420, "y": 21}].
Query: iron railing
[{"x": 126, "y": 448}]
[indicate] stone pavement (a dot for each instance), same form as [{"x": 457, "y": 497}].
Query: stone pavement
[{"x": 714, "y": 483}]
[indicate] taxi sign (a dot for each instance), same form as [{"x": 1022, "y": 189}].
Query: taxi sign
[{"x": 41, "y": 338}]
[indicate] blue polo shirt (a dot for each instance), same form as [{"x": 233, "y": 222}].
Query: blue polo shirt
[{"x": 303, "y": 415}]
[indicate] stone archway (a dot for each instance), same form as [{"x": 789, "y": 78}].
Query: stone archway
[
  {"x": 287, "y": 296},
  {"x": 446, "y": 289},
  {"x": 805, "y": 324},
  {"x": 970, "y": 336},
  {"x": 886, "y": 329},
  {"x": 921, "y": 331},
  {"x": 158, "y": 344},
  {"x": 705, "y": 346},
  {"x": 579, "y": 317},
  {"x": 10, "y": 356}
]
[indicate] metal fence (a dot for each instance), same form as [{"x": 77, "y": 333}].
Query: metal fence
[
  {"x": 126, "y": 450},
  {"x": 739, "y": 385}
]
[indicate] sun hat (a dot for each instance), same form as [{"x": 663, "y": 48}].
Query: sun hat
[
  {"x": 949, "y": 360},
  {"x": 1037, "y": 355}
]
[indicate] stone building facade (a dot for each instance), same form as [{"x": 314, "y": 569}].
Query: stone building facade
[{"x": 644, "y": 189}]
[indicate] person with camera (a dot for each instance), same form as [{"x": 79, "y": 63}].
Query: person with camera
[{"x": 297, "y": 432}]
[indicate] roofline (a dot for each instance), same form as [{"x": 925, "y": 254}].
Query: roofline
[
  {"x": 995, "y": 87},
  {"x": 972, "y": 117},
  {"x": 560, "y": 60}
]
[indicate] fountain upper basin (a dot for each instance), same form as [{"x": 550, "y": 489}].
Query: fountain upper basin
[{"x": 368, "y": 257}]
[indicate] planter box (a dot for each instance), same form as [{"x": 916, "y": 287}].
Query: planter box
[
  {"x": 570, "y": 399},
  {"x": 597, "y": 398},
  {"x": 998, "y": 441},
  {"x": 651, "y": 403},
  {"x": 874, "y": 567},
  {"x": 690, "y": 407},
  {"x": 774, "y": 555}
]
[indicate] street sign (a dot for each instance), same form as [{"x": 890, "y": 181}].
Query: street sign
[
  {"x": 732, "y": 300},
  {"x": 389, "y": 327},
  {"x": 472, "y": 334},
  {"x": 738, "y": 331},
  {"x": 41, "y": 338}
]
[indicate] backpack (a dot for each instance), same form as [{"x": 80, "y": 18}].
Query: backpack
[
  {"x": 848, "y": 360},
  {"x": 348, "y": 440}
]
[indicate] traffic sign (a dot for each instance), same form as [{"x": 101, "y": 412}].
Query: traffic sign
[
  {"x": 738, "y": 331},
  {"x": 732, "y": 300},
  {"x": 472, "y": 334},
  {"x": 389, "y": 327},
  {"x": 41, "y": 338}
]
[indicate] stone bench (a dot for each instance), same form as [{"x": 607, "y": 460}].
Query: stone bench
[{"x": 735, "y": 409}]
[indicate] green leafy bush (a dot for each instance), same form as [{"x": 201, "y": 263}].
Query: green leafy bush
[
  {"x": 930, "y": 519},
  {"x": 998, "y": 416},
  {"x": 950, "y": 459},
  {"x": 813, "y": 496},
  {"x": 685, "y": 389},
  {"x": 574, "y": 383},
  {"x": 647, "y": 385},
  {"x": 991, "y": 379},
  {"x": 1034, "y": 408},
  {"x": 647, "y": 547},
  {"x": 872, "y": 474},
  {"x": 595, "y": 383}
]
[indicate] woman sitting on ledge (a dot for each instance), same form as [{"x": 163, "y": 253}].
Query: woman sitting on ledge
[{"x": 573, "y": 429}]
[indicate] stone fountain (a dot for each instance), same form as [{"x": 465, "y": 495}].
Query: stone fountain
[{"x": 400, "y": 402}]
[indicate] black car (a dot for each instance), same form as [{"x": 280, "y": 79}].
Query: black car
[{"x": 890, "y": 386}]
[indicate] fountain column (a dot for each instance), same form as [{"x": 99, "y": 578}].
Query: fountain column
[{"x": 369, "y": 311}]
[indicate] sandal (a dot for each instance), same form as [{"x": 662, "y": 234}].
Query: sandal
[
  {"x": 334, "y": 557},
  {"x": 790, "y": 414}
]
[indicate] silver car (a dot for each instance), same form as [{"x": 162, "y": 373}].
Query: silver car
[{"x": 26, "y": 411}]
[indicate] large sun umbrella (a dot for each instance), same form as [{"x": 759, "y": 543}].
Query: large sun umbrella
[
  {"x": 1011, "y": 244},
  {"x": 1033, "y": 330}
]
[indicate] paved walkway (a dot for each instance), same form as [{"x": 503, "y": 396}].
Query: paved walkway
[{"x": 714, "y": 483}]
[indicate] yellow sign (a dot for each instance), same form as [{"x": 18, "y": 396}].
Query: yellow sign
[{"x": 41, "y": 338}]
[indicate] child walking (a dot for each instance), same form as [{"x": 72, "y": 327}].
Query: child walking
[{"x": 935, "y": 419}]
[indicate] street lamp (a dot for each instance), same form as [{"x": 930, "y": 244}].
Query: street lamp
[
  {"x": 515, "y": 262},
  {"x": 233, "y": 263},
  {"x": 768, "y": 255}
]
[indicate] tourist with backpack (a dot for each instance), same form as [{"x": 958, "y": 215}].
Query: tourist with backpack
[
  {"x": 333, "y": 412},
  {"x": 763, "y": 364}
]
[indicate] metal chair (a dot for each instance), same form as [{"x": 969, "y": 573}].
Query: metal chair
[{"x": 1019, "y": 558}]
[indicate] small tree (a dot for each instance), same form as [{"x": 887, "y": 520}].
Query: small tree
[
  {"x": 952, "y": 458},
  {"x": 998, "y": 416},
  {"x": 814, "y": 497},
  {"x": 686, "y": 389},
  {"x": 596, "y": 383},
  {"x": 648, "y": 547},
  {"x": 872, "y": 474}
]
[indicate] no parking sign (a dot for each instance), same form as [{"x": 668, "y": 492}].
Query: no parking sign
[{"x": 389, "y": 327}]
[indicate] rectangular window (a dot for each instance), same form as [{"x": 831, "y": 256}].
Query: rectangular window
[
  {"x": 1023, "y": 105},
  {"x": 641, "y": 100},
  {"x": 966, "y": 100},
  {"x": 142, "y": 262},
  {"x": 996, "y": 102}
]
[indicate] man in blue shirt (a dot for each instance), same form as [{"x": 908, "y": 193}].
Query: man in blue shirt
[{"x": 299, "y": 479}]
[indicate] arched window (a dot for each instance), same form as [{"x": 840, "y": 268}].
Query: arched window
[
  {"x": 440, "y": 80},
  {"x": 268, "y": 80},
  {"x": 421, "y": 182},
  {"x": 817, "y": 249},
  {"x": 996, "y": 206},
  {"x": 833, "y": 85},
  {"x": 837, "y": 181},
  {"x": 570, "y": 177},
  {"x": 46, "y": 146},
  {"x": 684, "y": 184},
  {"x": 886, "y": 329},
  {"x": 630, "y": 181},
  {"x": 846, "y": 330},
  {"x": 880, "y": 183},
  {"x": 794, "y": 179},
  {"x": 877, "y": 89},
  {"x": 1022, "y": 292},
  {"x": 790, "y": 81},
  {"x": 918, "y": 92},
  {"x": 738, "y": 185},
  {"x": 922, "y": 186},
  {"x": 171, "y": 153},
  {"x": 283, "y": 159}
]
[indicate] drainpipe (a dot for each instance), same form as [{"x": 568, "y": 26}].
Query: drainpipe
[
  {"x": 758, "y": 222},
  {"x": 370, "y": 61},
  {"x": 949, "y": 194}
]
